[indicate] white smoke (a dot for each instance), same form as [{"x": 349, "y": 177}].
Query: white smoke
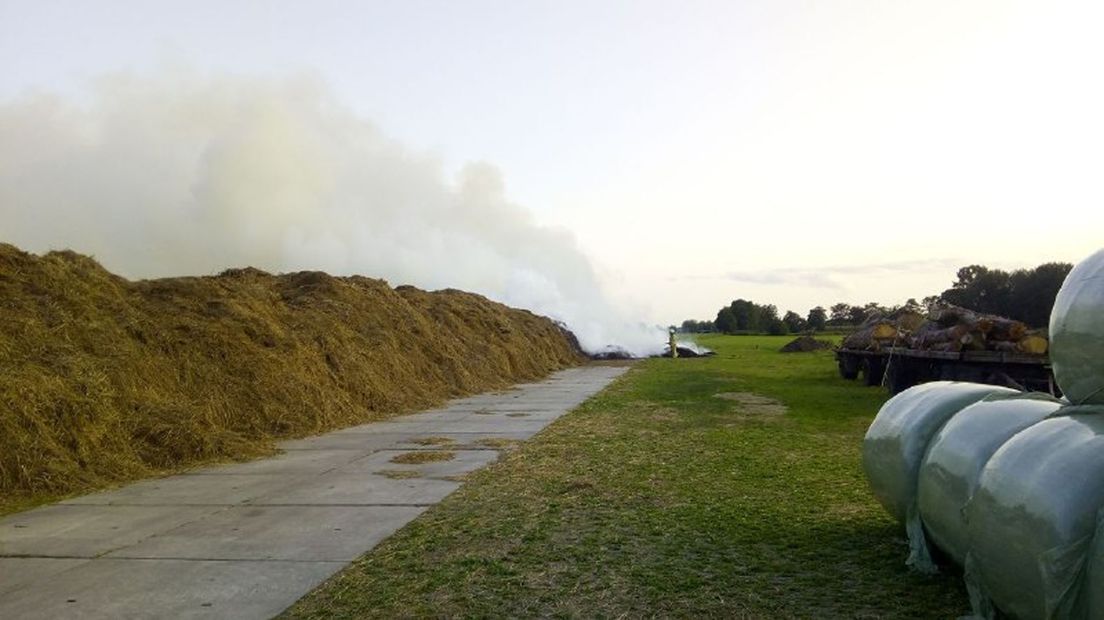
[{"x": 180, "y": 174}]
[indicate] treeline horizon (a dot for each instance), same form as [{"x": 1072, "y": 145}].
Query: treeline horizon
[{"x": 1023, "y": 294}]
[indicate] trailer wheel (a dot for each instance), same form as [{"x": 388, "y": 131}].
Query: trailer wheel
[
  {"x": 873, "y": 368},
  {"x": 848, "y": 367},
  {"x": 899, "y": 377}
]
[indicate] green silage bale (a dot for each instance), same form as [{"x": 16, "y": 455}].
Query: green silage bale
[
  {"x": 1077, "y": 332},
  {"x": 954, "y": 461},
  {"x": 1034, "y": 516},
  {"x": 895, "y": 444}
]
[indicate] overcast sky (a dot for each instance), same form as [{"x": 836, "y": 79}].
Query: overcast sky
[{"x": 796, "y": 153}]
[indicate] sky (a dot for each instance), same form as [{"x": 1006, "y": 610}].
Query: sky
[{"x": 790, "y": 152}]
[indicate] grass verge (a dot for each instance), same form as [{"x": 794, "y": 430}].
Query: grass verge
[{"x": 657, "y": 498}]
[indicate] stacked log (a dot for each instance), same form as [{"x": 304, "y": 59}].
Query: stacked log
[
  {"x": 948, "y": 328},
  {"x": 960, "y": 329},
  {"x": 873, "y": 335}
]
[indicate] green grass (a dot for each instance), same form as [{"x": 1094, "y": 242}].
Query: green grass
[{"x": 656, "y": 498}]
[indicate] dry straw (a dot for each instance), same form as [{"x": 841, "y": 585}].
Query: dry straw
[{"x": 104, "y": 380}]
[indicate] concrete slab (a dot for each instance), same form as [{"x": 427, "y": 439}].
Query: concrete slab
[
  {"x": 517, "y": 412},
  {"x": 186, "y": 490},
  {"x": 448, "y": 414},
  {"x": 390, "y": 427},
  {"x": 360, "y": 489},
  {"x": 245, "y": 540},
  {"x": 297, "y": 462},
  {"x": 112, "y": 589},
  {"x": 16, "y": 573},
  {"x": 75, "y": 531},
  {"x": 312, "y": 533},
  {"x": 348, "y": 439},
  {"x": 464, "y": 441},
  {"x": 494, "y": 424},
  {"x": 462, "y": 462}
]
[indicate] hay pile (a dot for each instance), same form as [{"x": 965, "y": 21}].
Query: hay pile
[{"x": 104, "y": 380}]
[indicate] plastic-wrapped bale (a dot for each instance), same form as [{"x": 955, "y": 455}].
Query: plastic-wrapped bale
[
  {"x": 1077, "y": 332},
  {"x": 1033, "y": 518},
  {"x": 895, "y": 444},
  {"x": 1094, "y": 580},
  {"x": 952, "y": 466}
]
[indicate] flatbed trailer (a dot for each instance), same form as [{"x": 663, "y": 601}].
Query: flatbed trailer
[{"x": 899, "y": 368}]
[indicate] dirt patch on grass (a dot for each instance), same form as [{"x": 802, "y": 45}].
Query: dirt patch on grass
[
  {"x": 399, "y": 474},
  {"x": 433, "y": 441},
  {"x": 105, "y": 380},
  {"x": 423, "y": 456},
  {"x": 751, "y": 404}
]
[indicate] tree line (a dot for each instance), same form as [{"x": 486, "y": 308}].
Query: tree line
[{"x": 1023, "y": 294}]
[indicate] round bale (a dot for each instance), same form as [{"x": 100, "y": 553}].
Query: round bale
[
  {"x": 959, "y": 451},
  {"x": 1032, "y": 518},
  {"x": 1077, "y": 332},
  {"x": 897, "y": 439}
]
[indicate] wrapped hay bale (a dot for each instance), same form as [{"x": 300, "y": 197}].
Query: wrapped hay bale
[
  {"x": 1033, "y": 519},
  {"x": 897, "y": 440},
  {"x": 952, "y": 466},
  {"x": 1093, "y": 587},
  {"x": 1077, "y": 332}
]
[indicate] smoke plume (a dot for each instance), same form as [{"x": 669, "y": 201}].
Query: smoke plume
[{"x": 181, "y": 174}]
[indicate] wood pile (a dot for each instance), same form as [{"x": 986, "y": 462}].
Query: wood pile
[
  {"x": 948, "y": 328},
  {"x": 881, "y": 331}
]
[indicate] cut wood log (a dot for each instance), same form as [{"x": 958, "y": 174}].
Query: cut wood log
[
  {"x": 1008, "y": 329},
  {"x": 883, "y": 331},
  {"x": 931, "y": 334},
  {"x": 1033, "y": 344},
  {"x": 909, "y": 321},
  {"x": 872, "y": 337},
  {"x": 973, "y": 341}
]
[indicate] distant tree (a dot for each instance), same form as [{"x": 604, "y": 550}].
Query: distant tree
[
  {"x": 776, "y": 327},
  {"x": 857, "y": 315},
  {"x": 768, "y": 313},
  {"x": 982, "y": 289},
  {"x": 748, "y": 316},
  {"x": 913, "y": 306},
  {"x": 691, "y": 326},
  {"x": 1034, "y": 290},
  {"x": 818, "y": 318},
  {"x": 745, "y": 316},
  {"x": 726, "y": 320},
  {"x": 794, "y": 322},
  {"x": 1025, "y": 294},
  {"x": 840, "y": 314}
]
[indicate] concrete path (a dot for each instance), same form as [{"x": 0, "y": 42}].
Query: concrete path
[{"x": 247, "y": 540}]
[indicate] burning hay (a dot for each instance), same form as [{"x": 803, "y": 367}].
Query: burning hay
[{"x": 104, "y": 380}]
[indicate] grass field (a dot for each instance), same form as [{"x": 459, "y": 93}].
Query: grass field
[{"x": 729, "y": 486}]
